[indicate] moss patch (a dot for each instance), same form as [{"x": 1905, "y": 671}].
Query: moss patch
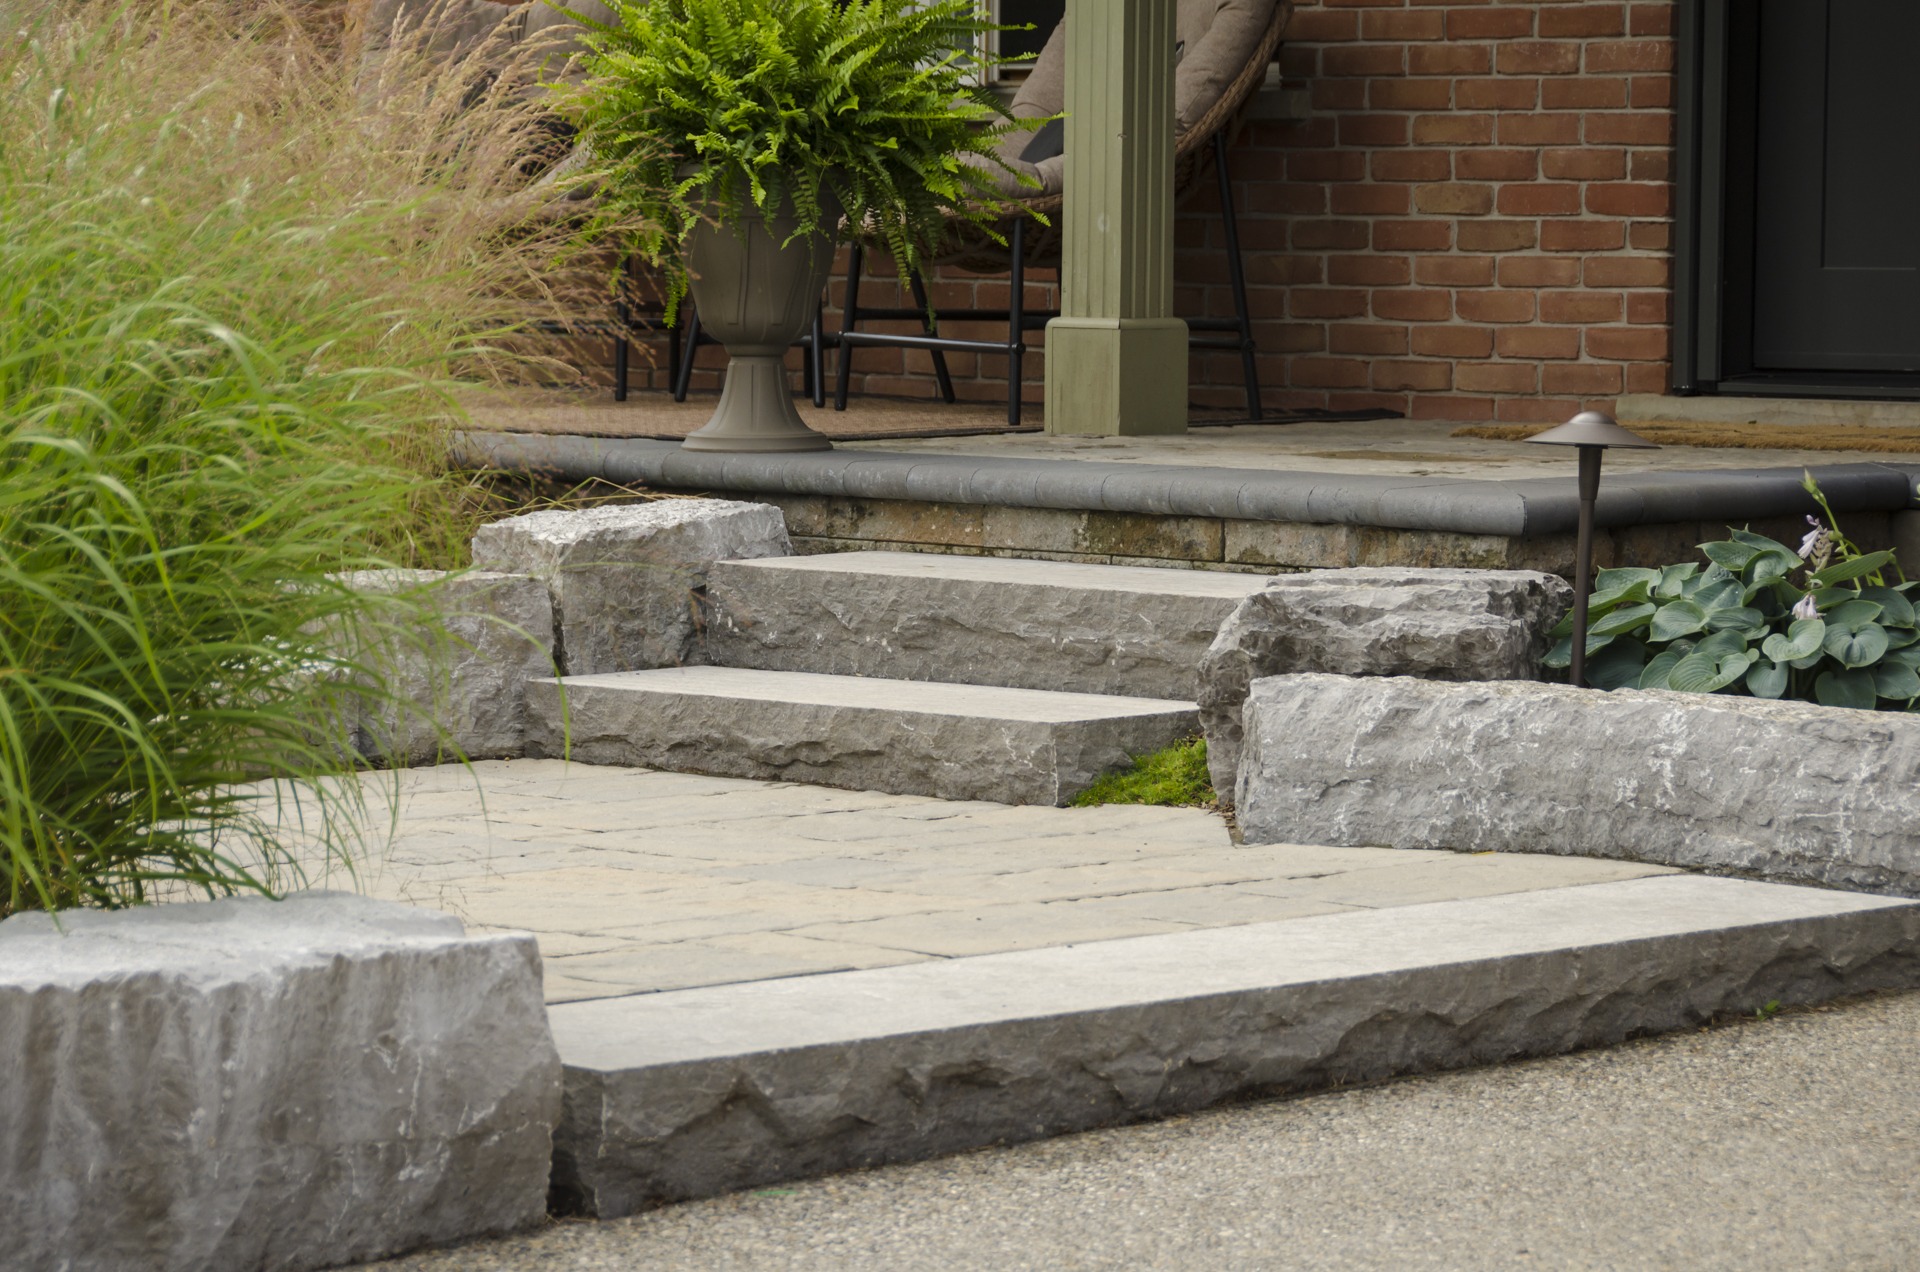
[{"x": 1175, "y": 777}]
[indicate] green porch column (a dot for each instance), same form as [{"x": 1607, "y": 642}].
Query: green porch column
[{"x": 1116, "y": 356}]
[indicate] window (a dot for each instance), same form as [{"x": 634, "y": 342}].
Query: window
[{"x": 1024, "y": 46}]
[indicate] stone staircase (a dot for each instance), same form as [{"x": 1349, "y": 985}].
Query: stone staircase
[{"x": 1018, "y": 681}]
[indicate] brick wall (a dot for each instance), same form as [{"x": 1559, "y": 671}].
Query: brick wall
[{"x": 1473, "y": 223}]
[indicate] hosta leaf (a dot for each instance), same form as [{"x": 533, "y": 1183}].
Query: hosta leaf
[
  {"x": 1703, "y": 672},
  {"x": 1766, "y": 679},
  {"x": 1769, "y": 567},
  {"x": 1761, "y": 541},
  {"x": 1673, "y": 579},
  {"x": 1895, "y": 609},
  {"x": 1900, "y": 638},
  {"x": 1722, "y": 593},
  {"x": 1618, "y": 666},
  {"x": 1676, "y": 619},
  {"x": 1845, "y": 689},
  {"x": 1852, "y": 616},
  {"x": 1735, "y": 618},
  {"x": 1860, "y": 648},
  {"x": 1662, "y": 664},
  {"x": 1561, "y": 655},
  {"x": 1908, "y": 657},
  {"x": 1722, "y": 643},
  {"x": 1713, "y": 576},
  {"x": 1732, "y": 555},
  {"x": 1622, "y": 620},
  {"x": 1803, "y": 638},
  {"x": 1897, "y": 681},
  {"x": 1841, "y": 571},
  {"x": 1624, "y": 577}
]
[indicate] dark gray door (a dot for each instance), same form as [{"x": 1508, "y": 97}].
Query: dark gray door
[{"x": 1837, "y": 184}]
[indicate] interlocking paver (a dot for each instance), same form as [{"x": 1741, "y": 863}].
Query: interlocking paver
[{"x": 637, "y": 881}]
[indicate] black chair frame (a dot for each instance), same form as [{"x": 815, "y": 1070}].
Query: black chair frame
[{"x": 1020, "y": 319}]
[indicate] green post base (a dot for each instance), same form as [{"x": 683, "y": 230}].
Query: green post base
[{"x": 1116, "y": 377}]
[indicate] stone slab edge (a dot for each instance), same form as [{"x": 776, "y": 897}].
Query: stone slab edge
[
  {"x": 695, "y": 1093},
  {"x": 1531, "y": 508}
]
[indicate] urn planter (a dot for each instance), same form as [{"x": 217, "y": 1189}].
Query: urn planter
[{"x": 756, "y": 290}]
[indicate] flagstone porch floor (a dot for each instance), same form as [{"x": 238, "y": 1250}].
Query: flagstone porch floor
[{"x": 637, "y": 881}]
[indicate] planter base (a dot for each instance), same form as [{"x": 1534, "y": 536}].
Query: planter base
[{"x": 756, "y": 412}]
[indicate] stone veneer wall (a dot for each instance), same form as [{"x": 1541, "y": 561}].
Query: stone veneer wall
[{"x": 1472, "y": 223}]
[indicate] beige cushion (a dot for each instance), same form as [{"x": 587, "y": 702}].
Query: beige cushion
[{"x": 1216, "y": 39}]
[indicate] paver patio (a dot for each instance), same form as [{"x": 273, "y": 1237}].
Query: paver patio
[{"x": 636, "y": 881}]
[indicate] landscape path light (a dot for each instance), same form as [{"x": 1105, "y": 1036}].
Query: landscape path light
[{"x": 1592, "y": 432}]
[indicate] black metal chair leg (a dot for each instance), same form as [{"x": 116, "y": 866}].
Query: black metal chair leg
[
  {"x": 931, "y": 325},
  {"x": 684, "y": 378},
  {"x": 849, "y": 318},
  {"x": 1016, "y": 321},
  {"x": 1236, "y": 271},
  {"x": 817, "y": 358}
]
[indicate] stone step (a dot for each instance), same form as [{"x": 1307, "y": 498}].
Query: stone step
[
  {"x": 954, "y": 741},
  {"x": 693, "y": 1093},
  {"x": 975, "y": 620}
]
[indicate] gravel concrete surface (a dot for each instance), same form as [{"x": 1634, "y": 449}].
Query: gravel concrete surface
[{"x": 1791, "y": 1143}]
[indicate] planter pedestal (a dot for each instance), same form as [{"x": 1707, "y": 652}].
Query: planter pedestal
[{"x": 756, "y": 294}]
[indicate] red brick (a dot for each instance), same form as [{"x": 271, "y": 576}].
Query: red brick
[
  {"x": 1409, "y": 94},
  {"x": 1299, "y": 199},
  {"x": 1299, "y": 62},
  {"x": 1496, "y": 94},
  {"x": 1539, "y": 271},
  {"x": 1581, "y": 308},
  {"x": 1539, "y": 198},
  {"x": 1494, "y": 306},
  {"x": 1582, "y": 236},
  {"x": 1412, "y": 165},
  {"x": 1326, "y": 165},
  {"x": 1649, "y": 307},
  {"x": 1309, "y": 235},
  {"x": 1534, "y": 410},
  {"x": 1583, "y": 20},
  {"x": 1366, "y": 337},
  {"x": 1406, "y": 24},
  {"x": 1373, "y": 130},
  {"x": 1651, "y": 19},
  {"x": 1369, "y": 271},
  {"x": 1649, "y": 377},
  {"x": 1543, "y": 57},
  {"x": 1538, "y": 342},
  {"x": 1605, "y": 57},
  {"x": 1453, "y": 341},
  {"x": 1556, "y": 129},
  {"x": 1290, "y": 337},
  {"x": 1627, "y": 344},
  {"x": 1322, "y": 26},
  {"x": 1626, "y": 271},
  {"x": 1629, "y": 199},
  {"x": 1498, "y": 236},
  {"x": 1650, "y": 236},
  {"x": 1629, "y": 129},
  {"x": 1281, "y": 269},
  {"x": 1496, "y": 165},
  {"x": 1428, "y": 376},
  {"x": 1363, "y": 59},
  {"x": 1446, "y": 59},
  {"x": 1349, "y": 94},
  {"x": 1588, "y": 92},
  {"x": 1452, "y": 130},
  {"x": 1326, "y": 302},
  {"x": 1456, "y": 198},
  {"x": 1395, "y": 402},
  {"x": 1412, "y": 236},
  {"x": 1496, "y": 377},
  {"x": 1511, "y": 22},
  {"x": 1409, "y": 304},
  {"x": 1454, "y": 271},
  {"x": 1370, "y": 200},
  {"x": 1582, "y": 379},
  {"x": 1450, "y": 408},
  {"x": 1327, "y": 373},
  {"x": 1584, "y": 163},
  {"x": 1652, "y": 165}
]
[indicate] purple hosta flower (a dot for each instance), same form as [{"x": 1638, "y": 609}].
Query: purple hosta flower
[
  {"x": 1806, "y": 608},
  {"x": 1816, "y": 537}
]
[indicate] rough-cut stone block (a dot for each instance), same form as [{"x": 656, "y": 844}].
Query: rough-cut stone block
[
  {"x": 1375, "y": 621},
  {"x": 1014, "y": 746},
  {"x": 462, "y": 682},
  {"x": 626, "y": 578},
  {"x": 1784, "y": 790},
  {"x": 974, "y": 620},
  {"x": 244, "y": 1084},
  {"x": 703, "y": 1091}
]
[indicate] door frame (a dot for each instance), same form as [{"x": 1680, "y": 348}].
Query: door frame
[{"x": 1714, "y": 195}]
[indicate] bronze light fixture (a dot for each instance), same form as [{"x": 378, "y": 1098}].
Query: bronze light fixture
[{"x": 1593, "y": 433}]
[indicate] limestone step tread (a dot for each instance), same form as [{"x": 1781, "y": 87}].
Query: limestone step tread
[
  {"x": 1111, "y": 629},
  {"x": 695, "y": 1092},
  {"x": 906, "y": 737}
]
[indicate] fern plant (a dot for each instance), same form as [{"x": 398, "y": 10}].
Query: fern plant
[{"x": 702, "y": 109}]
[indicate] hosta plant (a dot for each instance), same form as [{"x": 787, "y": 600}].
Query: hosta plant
[
  {"x": 697, "y": 109},
  {"x": 1823, "y": 621}
]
